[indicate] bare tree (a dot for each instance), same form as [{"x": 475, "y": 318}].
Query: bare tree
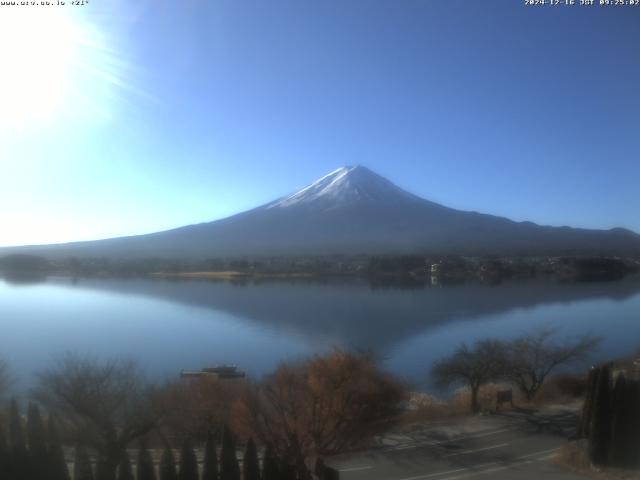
[
  {"x": 324, "y": 405},
  {"x": 472, "y": 367},
  {"x": 108, "y": 404},
  {"x": 532, "y": 357},
  {"x": 197, "y": 407}
]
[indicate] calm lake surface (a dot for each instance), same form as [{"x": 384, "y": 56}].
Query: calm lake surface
[{"x": 172, "y": 325}]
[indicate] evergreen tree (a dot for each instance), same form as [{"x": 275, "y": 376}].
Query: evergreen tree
[
  {"x": 270, "y": 470},
  {"x": 145, "y": 469},
  {"x": 210, "y": 470},
  {"x": 56, "y": 462},
  {"x": 188, "y": 462},
  {"x": 103, "y": 470},
  {"x": 125, "y": 472},
  {"x": 634, "y": 420},
  {"x": 20, "y": 465},
  {"x": 82, "y": 465},
  {"x": 168, "y": 465},
  {"x": 37, "y": 444},
  {"x": 250, "y": 463},
  {"x": 600, "y": 428},
  {"x": 319, "y": 467},
  {"x": 618, "y": 422},
  {"x": 587, "y": 408},
  {"x": 287, "y": 471},
  {"x": 625, "y": 437},
  {"x": 4, "y": 454},
  {"x": 229, "y": 468}
]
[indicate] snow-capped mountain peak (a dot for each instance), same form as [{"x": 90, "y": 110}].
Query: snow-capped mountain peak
[
  {"x": 352, "y": 210},
  {"x": 346, "y": 185}
]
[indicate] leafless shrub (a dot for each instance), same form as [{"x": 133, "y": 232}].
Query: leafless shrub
[
  {"x": 325, "y": 405},
  {"x": 472, "y": 367},
  {"x": 108, "y": 404},
  {"x": 534, "y": 356},
  {"x": 196, "y": 407},
  {"x": 526, "y": 362}
]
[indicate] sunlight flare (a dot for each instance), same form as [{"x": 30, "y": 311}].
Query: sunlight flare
[{"x": 56, "y": 66}]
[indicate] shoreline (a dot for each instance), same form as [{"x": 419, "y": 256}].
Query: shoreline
[{"x": 229, "y": 275}]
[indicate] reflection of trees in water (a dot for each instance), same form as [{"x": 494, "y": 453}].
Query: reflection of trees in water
[
  {"x": 23, "y": 269},
  {"x": 24, "y": 278},
  {"x": 355, "y": 313}
]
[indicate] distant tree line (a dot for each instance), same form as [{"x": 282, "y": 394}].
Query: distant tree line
[
  {"x": 595, "y": 268},
  {"x": 402, "y": 264},
  {"x": 23, "y": 263},
  {"x": 380, "y": 269},
  {"x": 21, "y": 267}
]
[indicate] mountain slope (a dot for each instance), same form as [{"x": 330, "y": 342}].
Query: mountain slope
[{"x": 351, "y": 211}]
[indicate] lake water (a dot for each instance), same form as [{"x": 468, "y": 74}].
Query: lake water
[{"x": 172, "y": 325}]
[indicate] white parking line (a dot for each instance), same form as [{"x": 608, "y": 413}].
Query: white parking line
[
  {"x": 479, "y": 435},
  {"x": 355, "y": 469},
  {"x": 464, "y": 452},
  {"x": 472, "y": 469},
  {"x": 540, "y": 452},
  {"x": 455, "y": 439},
  {"x": 497, "y": 469},
  {"x": 420, "y": 477},
  {"x": 409, "y": 447}
]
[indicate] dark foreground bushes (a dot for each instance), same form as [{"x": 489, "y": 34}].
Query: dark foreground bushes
[
  {"x": 611, "y": 417},
  {"x": 325, "y": 405},
  {"x": 32, "y": 451}
]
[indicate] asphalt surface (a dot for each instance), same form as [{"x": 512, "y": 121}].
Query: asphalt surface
[{"x": 507, "y": 446}]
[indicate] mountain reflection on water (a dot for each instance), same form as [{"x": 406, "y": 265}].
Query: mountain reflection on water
[{"x": 174, "y": 324}]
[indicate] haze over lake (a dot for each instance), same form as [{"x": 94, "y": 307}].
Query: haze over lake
[{"x": 172, "y": 325}]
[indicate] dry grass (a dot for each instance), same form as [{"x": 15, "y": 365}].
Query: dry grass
[
  {"x": 427, "y": 408},
  {"x": 574, "y": 457},
  {"x": 559, "y": 390},
  {"x": 486, "y": 397},
  {"x": 562, "y": 389}
]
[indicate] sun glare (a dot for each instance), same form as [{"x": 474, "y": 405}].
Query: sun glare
[
  {"x": 36, "y": 50},
  {"x": 53, "y": 64}
]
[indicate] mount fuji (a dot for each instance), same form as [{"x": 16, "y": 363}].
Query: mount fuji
[{"x": 352, "y": 210}]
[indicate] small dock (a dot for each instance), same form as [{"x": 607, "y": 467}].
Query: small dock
[{"x": 223, "y": 372}]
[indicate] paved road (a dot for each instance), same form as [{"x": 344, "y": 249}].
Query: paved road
[{"x": 509, "y": 447}]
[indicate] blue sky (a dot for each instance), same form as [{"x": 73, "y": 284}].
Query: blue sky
[{"x": 164, "y": 113}]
